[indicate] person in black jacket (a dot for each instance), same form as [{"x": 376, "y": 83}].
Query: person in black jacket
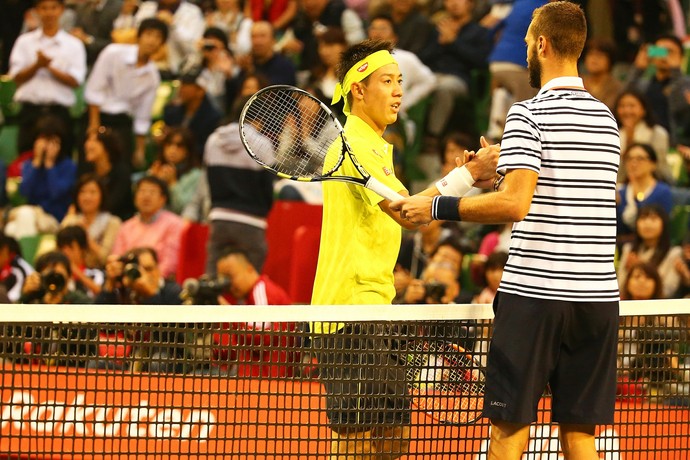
[{"x": 241, "y": 196}]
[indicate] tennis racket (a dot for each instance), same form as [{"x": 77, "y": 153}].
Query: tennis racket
[
  {"x": 290, "y": 132},
  {"x": 445, "y": 381}
]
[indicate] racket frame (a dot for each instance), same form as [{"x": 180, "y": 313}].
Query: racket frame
[{"x": 367, "y": 180}]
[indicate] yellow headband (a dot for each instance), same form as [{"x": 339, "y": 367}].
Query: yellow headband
[{"x": 359, "y": 72}]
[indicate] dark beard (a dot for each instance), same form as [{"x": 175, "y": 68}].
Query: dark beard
[{"x": 534, "y": 68}]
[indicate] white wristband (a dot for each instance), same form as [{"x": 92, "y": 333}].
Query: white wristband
[{"x": 456, "y": 183}]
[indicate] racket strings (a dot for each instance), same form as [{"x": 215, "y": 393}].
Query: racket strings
[
  {"x": 445, "y": 381},
  {"x": 299, "y": 131}
]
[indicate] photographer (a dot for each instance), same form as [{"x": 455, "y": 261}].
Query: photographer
[
  {"x": 72, "y": 241},
  {"x": 261, "y": 348},
  {"x": 50, "y": 284},
  {"x": 136, "y": 278}
]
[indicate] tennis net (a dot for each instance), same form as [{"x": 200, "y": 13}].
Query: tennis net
[{"x": 250, "y": 382}]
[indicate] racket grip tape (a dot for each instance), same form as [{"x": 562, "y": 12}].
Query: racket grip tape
[{"x": 383, "y": 190}]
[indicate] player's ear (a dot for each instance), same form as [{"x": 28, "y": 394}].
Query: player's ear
[{"x": 357, "y": 90}]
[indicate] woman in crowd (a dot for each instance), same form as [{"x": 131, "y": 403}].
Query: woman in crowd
[
  {"x": 652, "y": 244},
  {"x": 178, "y": 166},
  {"x": 640, "y": 164},
  {"x": 322, "y": 79},
  {"x": 230, "y": 19},
  {"x": 637, "y": 125},
  {"x": 101, "y": 226},
  {"x": 103, "y": 157},
  {"x": 48, "y": 179}
]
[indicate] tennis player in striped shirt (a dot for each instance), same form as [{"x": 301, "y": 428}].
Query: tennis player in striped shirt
[{"x": 557, "y": 183}]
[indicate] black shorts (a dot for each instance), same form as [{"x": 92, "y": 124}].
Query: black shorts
[
  {"x": 364, "y": 380},
  {"x": 571, "y": 346}
]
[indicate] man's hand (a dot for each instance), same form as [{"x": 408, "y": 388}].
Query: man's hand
[
  {"x": 415, "y": 292},
  {"x": 42, "y": 60},
  {"x": 415, "y": 209},
  {"x": 32, "y": 283},
  {"x": 482, "y": 165}
]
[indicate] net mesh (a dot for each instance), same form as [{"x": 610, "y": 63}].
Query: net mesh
[
  {"x": 289, "y": 131},
  {"x": 254, "y": 382}
]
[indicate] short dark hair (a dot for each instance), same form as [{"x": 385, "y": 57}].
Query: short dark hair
[
  {"x": 51, "y": 259},
  {"x": 70, "y": 234},
  {"x": 603, "y": 45},
  {"x": 217, "y": 33},
  {"x": 53, "y": 126},
  {"x": 671, "y": 38},
  {"x": 10, "y": 243},
  {"x": 356, "y": 53},
  {"x": 136, "y": 252},
  {"x": 564, "y": 25},
  {"x": 385, "y": 17},
  {"x": 449, "y": 241},
  {"x": 155, "y": 181},
  {"x": 234, "y": 251},
  {"x": 496, "y": 260},
  {"x": 36, "y": 2},
  {"x": 153, "y": 24}
]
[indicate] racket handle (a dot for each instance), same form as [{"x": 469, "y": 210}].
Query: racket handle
[{"x": 383, "y": 190}]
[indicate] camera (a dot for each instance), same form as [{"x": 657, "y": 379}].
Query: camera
[
  {"x": 434, "y": 291},
  {"x": 52, "y": 282},
  {"x": 131, "y": 269},
  {"x": 205, "y": 290}
]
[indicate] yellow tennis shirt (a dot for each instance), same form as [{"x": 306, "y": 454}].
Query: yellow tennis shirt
[{"x": 359, "y": 242}]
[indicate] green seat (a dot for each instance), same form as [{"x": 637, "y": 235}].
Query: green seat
[
  {"x": 467, "y": 283},
  {"x": 8, "y": 143},
  {"x": 79, "y": 107},
  {"x": 679, "y": 219},
  {"x": 9, "y": 107},
  {"x": 29, "y": 247}
]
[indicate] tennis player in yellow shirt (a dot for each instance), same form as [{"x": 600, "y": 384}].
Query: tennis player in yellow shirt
[{"x": 360, "y": 240}]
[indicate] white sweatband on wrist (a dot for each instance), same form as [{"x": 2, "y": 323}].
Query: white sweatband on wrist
[{"x": 456, "y": 183}]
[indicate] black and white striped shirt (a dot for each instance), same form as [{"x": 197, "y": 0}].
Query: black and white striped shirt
[{"x": 564, "y": 248}]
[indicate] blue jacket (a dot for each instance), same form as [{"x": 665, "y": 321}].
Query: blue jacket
[{"x": 51, "y": 189}]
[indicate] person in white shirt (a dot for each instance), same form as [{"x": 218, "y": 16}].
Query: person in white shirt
[
  {"x": 186, "y": 23},
  {"x": 122, "y": 87},
  {"x": 46, "y": 64}
]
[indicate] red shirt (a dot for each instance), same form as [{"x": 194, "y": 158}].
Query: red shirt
[{"x": 259, "y": 354}]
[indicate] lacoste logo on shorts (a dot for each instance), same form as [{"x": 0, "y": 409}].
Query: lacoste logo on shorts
[{"x": 498, "y": 403}]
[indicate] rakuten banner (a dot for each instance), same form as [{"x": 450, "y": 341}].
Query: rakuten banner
[{"x": 68, "y": 413}]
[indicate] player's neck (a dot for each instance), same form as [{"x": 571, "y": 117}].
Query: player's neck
[
  {"x": 558, "y": 70},
  {"x": 360, "y": 113}
]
